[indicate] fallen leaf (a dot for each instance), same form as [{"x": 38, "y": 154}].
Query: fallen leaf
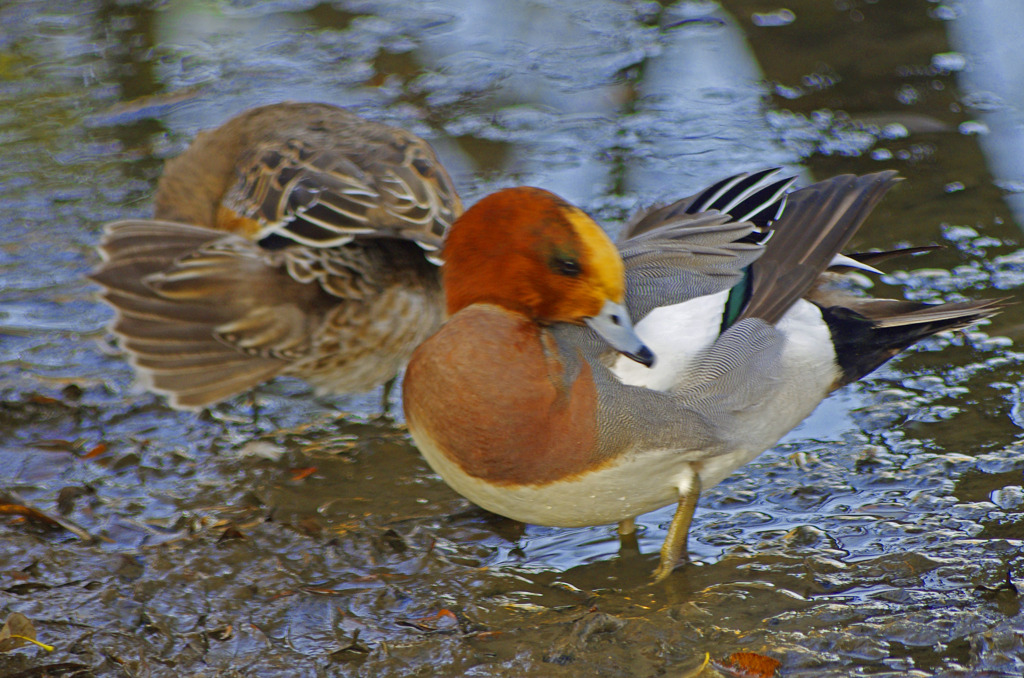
[
  {"x": 28, "y": 512},
  {"x": 323, "y": 591},
  {"x": 67, "y": 496},
  {"x": 303, "y": 473},
  {"x": 17, "y": 632},
  {"x": 222, "y": 633},
  {"x": 354, "y": 650},
  {"x": 230, "y": 532},
  {"x": 442, "y": 620},
  {"x": 58, "y": 445},
  {"x": 44, "y": 518},
  {"x": 26, "y": 588},
  {"x": 95, "y": 452},
  {"x": 749, "y": 665},
  {"x": 487, "y": 635}
]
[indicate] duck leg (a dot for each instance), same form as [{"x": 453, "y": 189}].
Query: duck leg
[
  {"x": 627, "y": 537},
  {"x": 385, "y": 399},
  {"x": 675, "y": 542}
]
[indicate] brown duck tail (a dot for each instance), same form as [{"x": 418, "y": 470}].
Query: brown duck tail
[{"x": 171, "y": 334}]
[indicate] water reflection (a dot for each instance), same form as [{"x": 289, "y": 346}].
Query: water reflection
[
  {"x": 510, "y": 57},
  {"x": 590, "y": 119},
  {"x": 701, "y": 93},
  {"x": 988, "y": 34}
]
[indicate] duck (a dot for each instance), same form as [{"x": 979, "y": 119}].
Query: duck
[
  {"x": 296, "y": 239},
  {"x": 577, "y": 382}
]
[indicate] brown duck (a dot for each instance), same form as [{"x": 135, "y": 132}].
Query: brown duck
[{"x": 295, "y": 239}]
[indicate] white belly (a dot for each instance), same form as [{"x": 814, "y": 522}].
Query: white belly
[{"x": 636, "y": 484}]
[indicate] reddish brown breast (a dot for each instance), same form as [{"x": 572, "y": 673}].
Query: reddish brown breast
[{"x": 490, "y": 391}]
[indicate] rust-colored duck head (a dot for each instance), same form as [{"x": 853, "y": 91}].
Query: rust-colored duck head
[{"x": 528, "y": 251}]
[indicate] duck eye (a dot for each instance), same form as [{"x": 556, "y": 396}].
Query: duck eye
[{"x": 566, "y": 267}]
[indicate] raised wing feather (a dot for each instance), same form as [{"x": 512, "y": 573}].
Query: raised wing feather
[
  {"x": 698, "y": 246},
  {"x": 177, "y": 287},
  {"x": 817, "y": 222}
]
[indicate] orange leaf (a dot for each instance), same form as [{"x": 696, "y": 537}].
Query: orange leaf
[
  {"x": 749, "y": 665},
  {"x": 95, "y": 452},
  {"x": 303, "y": 473},
  {"x": 433, "y": 622},
  {"x": 487, "y": 635},
  {"x": 28, "y": 512}
]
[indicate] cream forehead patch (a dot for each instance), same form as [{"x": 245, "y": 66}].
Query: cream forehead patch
[{"x": 601, "y": 253}]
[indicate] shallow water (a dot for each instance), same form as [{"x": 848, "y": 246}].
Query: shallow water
[{"x": 881, "y": 538}]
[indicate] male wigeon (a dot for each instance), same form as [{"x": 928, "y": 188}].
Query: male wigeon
[
  {"x": 295, "y": 239},
  {"x": 540, "y": 401}
]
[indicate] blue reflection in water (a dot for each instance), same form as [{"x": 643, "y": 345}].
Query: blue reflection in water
[{"x": 990, "y": 69}]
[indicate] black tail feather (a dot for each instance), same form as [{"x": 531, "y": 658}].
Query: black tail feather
[{"x": 864, "y": 343}]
